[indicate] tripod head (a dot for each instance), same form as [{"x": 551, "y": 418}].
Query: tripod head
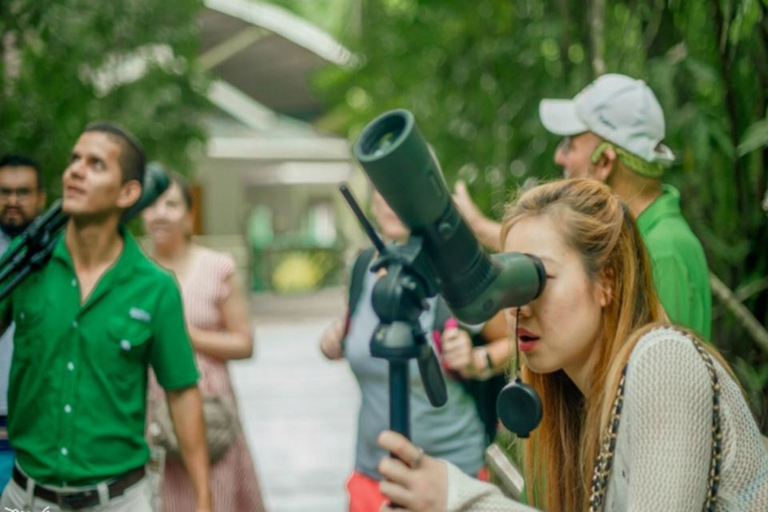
[{"x": 399, "y": 299}]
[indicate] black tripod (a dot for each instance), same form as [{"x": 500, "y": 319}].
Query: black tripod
[
  {"x": 33, "y": 250},
  {"x": 398, "y": 299}
]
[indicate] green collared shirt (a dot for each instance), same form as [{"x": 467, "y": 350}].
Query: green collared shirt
[
  {"x": 680, "y": 270},
  {"x": 78, "y": 382}
]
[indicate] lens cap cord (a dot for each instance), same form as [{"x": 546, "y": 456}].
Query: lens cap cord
[{"x": 518, "y": 405}]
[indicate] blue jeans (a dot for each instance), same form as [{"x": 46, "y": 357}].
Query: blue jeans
[{"x": 6, "y": 466}]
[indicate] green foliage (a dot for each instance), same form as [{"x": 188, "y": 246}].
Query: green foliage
[
  {"x": 755, "y": 137},
  {"x": 64, "y": 64},
  {"x": 473, "y": 74}
]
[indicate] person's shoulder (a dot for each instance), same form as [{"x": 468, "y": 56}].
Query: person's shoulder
[
  {"x": 673, "y": 240},
  {"x": 665, "y": 354},
  {"x": 145, "y": 268},
  {"x": 218, "y": 260},
  {"x": 662, "y": 335}
]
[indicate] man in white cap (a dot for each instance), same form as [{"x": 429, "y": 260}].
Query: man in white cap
[{"x": 612, "y": 131}]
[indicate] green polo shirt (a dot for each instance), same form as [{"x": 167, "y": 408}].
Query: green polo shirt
[
  {"x": 78, "y": 382},
  {"x": 680, "y": 270}
]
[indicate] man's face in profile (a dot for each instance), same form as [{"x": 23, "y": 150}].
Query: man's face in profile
[
  {"x": 574, "y": 155},
  {"x": 93, "y": 180}
]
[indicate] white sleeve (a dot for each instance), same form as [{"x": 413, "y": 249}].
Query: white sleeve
[
  {"x": 467, "y": 494},
  {"x": 668, "y": 401}
]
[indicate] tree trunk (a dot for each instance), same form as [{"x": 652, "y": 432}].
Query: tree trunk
[
  {"x": 564, "y": 11},
  {"x": 730, "y": 105}
]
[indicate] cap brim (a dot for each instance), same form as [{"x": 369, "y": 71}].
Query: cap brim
[
  {"x": 663, "y": 155},
  {"x": 559, "y": 117}
]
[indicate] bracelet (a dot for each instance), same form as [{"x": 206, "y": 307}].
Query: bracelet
[{"x": 487, "y": 373}]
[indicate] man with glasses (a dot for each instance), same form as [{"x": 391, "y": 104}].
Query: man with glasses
[
  {"x": 22, "y": 198},
  {"x": 612, "y": 132}
]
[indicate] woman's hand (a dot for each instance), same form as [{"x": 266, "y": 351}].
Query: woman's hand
[
  {"x": 458, "y": 353},
  {"x": 420, "y": 484},
  {"x": 466, "y": 205}
]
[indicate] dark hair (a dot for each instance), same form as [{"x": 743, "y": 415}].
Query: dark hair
[
  {"x": 17, "y": 160},
  {"x": 132, "y": 159},
  {"x": 183, "y": 184}
]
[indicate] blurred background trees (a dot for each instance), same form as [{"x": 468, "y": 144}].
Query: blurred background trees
[
  {"x": 66, "y": 63},
  {"x": 473, "y": 73}
]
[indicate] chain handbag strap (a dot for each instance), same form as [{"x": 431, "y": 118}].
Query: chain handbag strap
[
  {"x": 716, "y": 462},
  {"x": 604, "y": 462}
]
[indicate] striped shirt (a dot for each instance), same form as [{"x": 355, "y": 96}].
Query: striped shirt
[{"x": 234, "y": 483}]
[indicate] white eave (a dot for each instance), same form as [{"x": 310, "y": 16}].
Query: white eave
[{"x": 287, "y": 25}]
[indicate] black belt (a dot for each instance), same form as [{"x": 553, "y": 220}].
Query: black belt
[{"x": 82, "y": 499}]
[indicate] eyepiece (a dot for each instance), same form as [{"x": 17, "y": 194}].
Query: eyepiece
[{"x": 385, "y": 135}]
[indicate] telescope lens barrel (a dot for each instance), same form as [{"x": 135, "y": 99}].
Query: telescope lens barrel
[{"x": 402, "y": 167}]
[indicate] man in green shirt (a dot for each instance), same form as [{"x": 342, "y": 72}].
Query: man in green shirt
[
  {"x": 612, "y": 132},
  {"x": 88, "y": 325}
]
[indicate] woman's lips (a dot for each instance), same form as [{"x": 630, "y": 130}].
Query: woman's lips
[{"x": 526, "y": 340}]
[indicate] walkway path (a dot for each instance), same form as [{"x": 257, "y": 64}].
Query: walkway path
[{"x": 299, "y": 410}]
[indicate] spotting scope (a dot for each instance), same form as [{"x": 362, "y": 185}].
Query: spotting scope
[{"x": 401, "y": 165}]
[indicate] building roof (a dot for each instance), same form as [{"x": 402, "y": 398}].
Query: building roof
[{"x": 268, "y": 54}]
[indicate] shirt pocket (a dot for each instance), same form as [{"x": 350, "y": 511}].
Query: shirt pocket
[
  {"x": 28, "y": 319},
  {"x": 129, "y": 342}
]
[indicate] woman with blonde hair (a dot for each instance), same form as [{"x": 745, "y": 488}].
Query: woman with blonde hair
[{"x": 638, "y": 414}]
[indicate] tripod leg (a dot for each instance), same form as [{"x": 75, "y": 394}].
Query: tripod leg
[{"x": 399, "y": 404}]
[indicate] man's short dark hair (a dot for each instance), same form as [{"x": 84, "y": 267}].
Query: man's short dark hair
[
  {"x": 132, "y": 159},
  {"x": 18, "y": 160}
]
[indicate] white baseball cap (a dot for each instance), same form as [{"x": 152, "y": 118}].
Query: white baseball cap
[{"x": 620, "y": 109}]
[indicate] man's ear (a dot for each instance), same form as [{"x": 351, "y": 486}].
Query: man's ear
[
  {"x": 130, "y": 192},
  {"x": 605, "y": 164}
]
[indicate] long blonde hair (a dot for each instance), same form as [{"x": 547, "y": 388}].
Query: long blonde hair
[{"x": 599, "y": 227}]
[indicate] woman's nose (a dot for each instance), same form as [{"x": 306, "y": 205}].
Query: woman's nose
[{"x": 526, "y": 311}]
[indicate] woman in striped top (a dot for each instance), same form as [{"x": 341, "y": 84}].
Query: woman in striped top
[{"x": 219, "y": 329}]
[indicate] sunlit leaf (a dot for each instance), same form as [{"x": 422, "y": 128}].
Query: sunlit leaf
[{"x": 756, "y": 137}]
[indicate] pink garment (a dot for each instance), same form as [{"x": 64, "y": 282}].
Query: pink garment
[{"x": 234, "y": 483}]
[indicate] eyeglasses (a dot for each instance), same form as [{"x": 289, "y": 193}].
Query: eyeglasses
[{"x": 22, "y": 193}]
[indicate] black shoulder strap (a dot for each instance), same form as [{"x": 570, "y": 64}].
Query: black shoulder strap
[
  {"x": 483, "y": 392},
  {"x": 357, "y": 278}
]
